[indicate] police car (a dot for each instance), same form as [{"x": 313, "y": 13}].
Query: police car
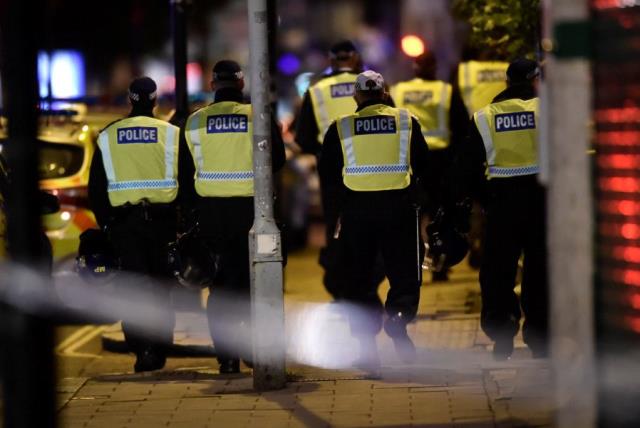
[
  {"x": 66, "y": 147},
  {"x": 49, "y": 204}
]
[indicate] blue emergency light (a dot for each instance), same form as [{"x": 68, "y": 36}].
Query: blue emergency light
[{"x": 63, "y": 71}]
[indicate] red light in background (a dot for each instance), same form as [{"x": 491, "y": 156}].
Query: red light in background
[
  {"x": 624, "y": 161},
  {"x": 634, "y": 323},
  {"x": 167, "y": 84},
  {"x": 631, "y": 277},
  {"x": 618, "y": 138},
  {"x": 635, "y": 301},
  {"x": 605, "y": 4},
  {"x": 627, "y": 254},
  {"x": 620, "y": 184},
  {"x": 618, "y": 115},
  {"x": 629, "y": 208},
  {"x": 630, "y": 231},
  {"x": 624, "y": 207},
  {"x": 632, "y": 254},
  {"x": 194, "y": 78}
]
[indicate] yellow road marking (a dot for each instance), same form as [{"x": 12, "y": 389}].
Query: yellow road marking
[
  {"x": 79, "y": 339},
  {"x": 74, "y": 336}
]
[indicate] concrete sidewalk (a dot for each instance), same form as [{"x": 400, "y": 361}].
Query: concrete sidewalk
[{"x": 455, "y": 383}]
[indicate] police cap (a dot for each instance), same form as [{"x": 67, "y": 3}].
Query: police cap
[
  {"x": 369, "y": 81},
  {"x": 522, "y": 70},
  {"x": 227, "y": 70},
  {"x": 143, "y": 90},
  {"x": 343, "y": 50}
]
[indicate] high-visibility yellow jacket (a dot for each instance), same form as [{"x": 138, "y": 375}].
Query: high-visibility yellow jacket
[
  {"x": 331, "y": 98},
  {"x": 480, "y": 82},
  {"x": 376, "y": 148},
  {"x": 430, "y": 102},
  {"x": 221, "y": 144},
  {"x": 509, "y": 131},
  {"x": 140, "y": 158}
]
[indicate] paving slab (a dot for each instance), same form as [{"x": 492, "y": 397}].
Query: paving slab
[{"x": 454, "y": 382}]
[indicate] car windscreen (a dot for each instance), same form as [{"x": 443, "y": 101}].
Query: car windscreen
[{"x": 57, "y": 160}]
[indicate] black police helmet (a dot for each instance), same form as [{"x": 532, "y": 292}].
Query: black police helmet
[
  {"x": 96, "y": 262},
  {"x": 447, "y": 248},
  {"x": 447, "y": 236},
  {"x": 191, "y": 262},
  {"x": 344, "y": 49},
  {"x": 522, "y": 70},
  {"x": 143, "y": 91},
  {"x": 227, "y": 70}
]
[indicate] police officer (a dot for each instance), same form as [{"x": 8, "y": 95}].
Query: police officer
[
  {"x": 429, "y": 100},
  {"x": 374, "y": 156},
  {"x": 220, "y": 140},
  {"x": 132, "y": 184},
  {"x": 503, "y": 141},
  {"x": 479, "y": 81},
  {"x": 328, "y": 98},
  {"x": 325, "y": 101}
]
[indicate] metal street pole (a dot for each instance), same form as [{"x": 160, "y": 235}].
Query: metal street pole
[
  {"x": 570, "y": 213},
  {"x": 27, "y": 341},
  {"x": 179, "y": 33},
  {"x": 272, "y": 25},
  {"x": 267, "y": 299}
]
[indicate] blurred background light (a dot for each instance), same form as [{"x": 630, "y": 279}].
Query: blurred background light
[
  {"x": 288, "y": 64},
  {"x": 162, "y": 73},
  {"x": 412, "y": 45},
  {"x": 302, "y": 83},
  {"x": 195, "y": 79},
  {"x": 64, "y": 71}
]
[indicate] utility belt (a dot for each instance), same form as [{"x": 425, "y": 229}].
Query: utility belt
[{"x": 145, "y": 209}]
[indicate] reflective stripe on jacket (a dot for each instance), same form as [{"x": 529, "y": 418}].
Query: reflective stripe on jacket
[
  {"x": 331, "y": 98},
  {"x": 375, "y": 147},
  {"x": 509, "y": 131},
  {"x": 430, "y": 102},
  {"x": 480, "y": 82},
  {"x": 140, "y": 159},
  {"x": 220, "y": 138}
]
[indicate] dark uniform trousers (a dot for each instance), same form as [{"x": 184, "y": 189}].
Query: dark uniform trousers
[
  {"x": 140, "y": 235},
  {"x": 224, "y": 226},
  {"x": 439, "y": 163},
  {"x": 392, "y": 235},
  {"x": 333, "y": 256},
  {"x": 515, "y": 224}
]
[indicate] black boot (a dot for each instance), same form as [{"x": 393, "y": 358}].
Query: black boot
[
  {"x": 148, "y": 360},
  {"x": 503, "y": 348},
  {"x": 396, "y": 328}
]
